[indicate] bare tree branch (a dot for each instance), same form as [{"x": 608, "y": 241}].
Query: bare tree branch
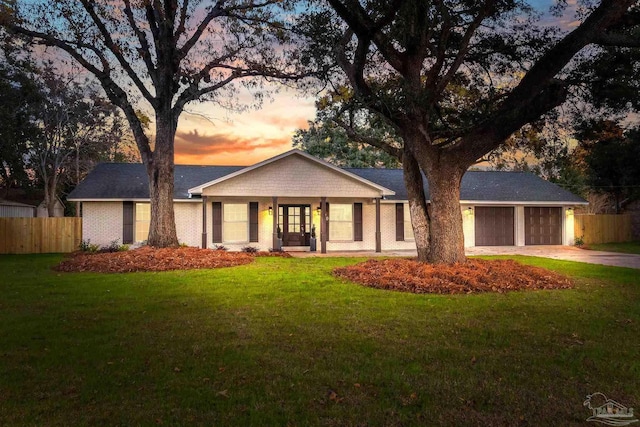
[{"x": 116, "y": 50}]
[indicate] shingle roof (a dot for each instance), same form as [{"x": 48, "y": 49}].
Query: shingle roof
[
  {"x": 494, "y": 186},
  {"x": 128, "y": 181},
  {"x": 4, "y": 202}
]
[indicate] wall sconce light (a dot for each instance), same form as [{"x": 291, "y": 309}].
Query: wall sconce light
[
  {"x": 469, "y": 211},
  {"x": 318, "y": 210},
  {"x": 270, "y": 210}
]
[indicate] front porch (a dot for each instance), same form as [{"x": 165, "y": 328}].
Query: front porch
[{"x": 292, "y": 224}]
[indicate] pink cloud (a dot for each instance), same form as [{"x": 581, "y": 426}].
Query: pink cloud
[{"x": 225, "y": 148}]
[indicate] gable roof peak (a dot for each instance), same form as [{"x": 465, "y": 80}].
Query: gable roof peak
[{"x": 293, "y": 152}]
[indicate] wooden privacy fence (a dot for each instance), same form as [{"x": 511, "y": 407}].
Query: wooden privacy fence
[
  {"x": 39, "y": 235},
  {"x": 603, "y": 228}
]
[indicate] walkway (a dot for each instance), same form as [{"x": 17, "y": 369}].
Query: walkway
[{"x": 567, "y": 253}]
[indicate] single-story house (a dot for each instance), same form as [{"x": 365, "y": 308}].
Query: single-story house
[
  {"x": 286, "y": 196},
  {"x": 58, "y": 209},
  {"x": 9, "y": 209}
]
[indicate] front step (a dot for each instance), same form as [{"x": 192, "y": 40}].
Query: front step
[{"x": 295, "y": 248}]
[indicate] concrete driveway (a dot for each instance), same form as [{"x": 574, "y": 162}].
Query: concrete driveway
[{"x": 567, "y": 253}]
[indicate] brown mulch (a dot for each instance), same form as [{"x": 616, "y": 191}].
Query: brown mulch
[
  {"x": 148, "y": 258},
  {"x": 474, "y": 276}
]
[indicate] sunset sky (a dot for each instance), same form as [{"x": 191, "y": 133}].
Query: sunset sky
[
  {"x": 217, "y": 136},
  {"x": 244, "y": 138}
]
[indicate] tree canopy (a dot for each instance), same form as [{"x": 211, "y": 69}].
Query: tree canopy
[
  {"x": 54, "y": 129},
  {"x": 348, "y": 137},
  {"x": 455, "y": 79},
  {"x": 163, "y": 55}
]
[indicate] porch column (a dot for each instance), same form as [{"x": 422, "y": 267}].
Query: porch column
[
  {"x": 378, "y": 233},
  {"x": 274, "y": 205},
  {"x": 204, "y": 222},
  {"x": 323, "y": 225}
]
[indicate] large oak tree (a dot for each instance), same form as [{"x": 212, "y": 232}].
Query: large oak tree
[
  {"x": 162, "y": 54},
  {"x": 455, "y": 78}
]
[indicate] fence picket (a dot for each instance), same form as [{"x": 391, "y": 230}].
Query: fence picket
[
  {"x": 39, "y": 235},
  {"x": 595, "y": 229}
]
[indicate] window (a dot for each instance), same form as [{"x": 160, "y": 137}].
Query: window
[
  {"x": 143, "y": 218},
  {"x": 408, "y": 228},
  {"x": 341, "y": 222},
  {"x": 235, "y": 224}
]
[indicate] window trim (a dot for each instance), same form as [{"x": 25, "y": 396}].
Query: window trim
[
  {"x": 341, "y": 221},
  {"x": 407, "y": 224},
  {"x": 246, "y": 221},
  {"x": 137, "y": 221}
]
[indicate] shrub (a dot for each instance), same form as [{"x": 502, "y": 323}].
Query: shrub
[
  {"x": 579, "y": 241},
  {"x": 87, "y": 246},
  {"x": 114, "y": 246},
  {"x": 220, "y": 248},
  {"x": 249, "y": 249}
]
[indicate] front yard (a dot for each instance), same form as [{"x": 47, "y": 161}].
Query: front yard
[{"x": 281, "y": 342}]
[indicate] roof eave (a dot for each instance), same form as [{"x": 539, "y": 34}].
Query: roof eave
[{"x": 128, "y": 199}]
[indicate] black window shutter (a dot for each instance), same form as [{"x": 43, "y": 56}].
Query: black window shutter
[
  {"x": 253, "y": 221},
  {"x": 399, "y": 222},
  {"x": 357, "y": 222},
  {"x": 127, "y": 223},
  {"x": 216, "y": 215}
]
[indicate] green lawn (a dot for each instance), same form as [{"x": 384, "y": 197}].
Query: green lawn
[
  {"x": 281, "y": 342},
  {"x": 626, "y": 247}
]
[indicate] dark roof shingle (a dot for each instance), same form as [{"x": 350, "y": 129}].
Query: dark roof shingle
[
  {"x": 129, "y": 181},
  {"x": 495, "y": 186}
]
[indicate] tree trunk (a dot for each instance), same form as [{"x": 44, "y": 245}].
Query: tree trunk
[
  {"x": 447, "y": 237},
  {"x": 77, "y": 213},
  {"x": 444, "y": 173},
  {"x": 50, "y": 196},
  {"x": 160, "y": 168},
  {"x": 417, "y": 204}
]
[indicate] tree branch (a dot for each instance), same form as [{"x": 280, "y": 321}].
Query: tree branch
[
  {"x": 538, "y": 92},
  {"x": 142, "y": 39},
  {"x": 617, "y": 40},
  {"x": 116, "y": 51},
  {"x": 365, "y": 29},
  {"x": 556, "y": 58},
  {"x": 375, "y": 142},
  {"x": 464, "y": 46}
]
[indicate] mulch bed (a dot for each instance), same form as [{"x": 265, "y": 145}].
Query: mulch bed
[
  {"x": 474, "y": 276},
  {"x": 148, "y": 258}
]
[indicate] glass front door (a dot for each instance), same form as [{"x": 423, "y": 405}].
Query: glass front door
[{"x": 295, "y": 223}]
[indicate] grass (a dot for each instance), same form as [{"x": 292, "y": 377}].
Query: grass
[
  {"x": 282, "y": 342},
  {"x": 625, "y": 247}
]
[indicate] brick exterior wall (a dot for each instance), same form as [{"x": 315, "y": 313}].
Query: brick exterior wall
[
  {"x": 102, "y": 222},
  {"x": 189, "y": 223}
]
